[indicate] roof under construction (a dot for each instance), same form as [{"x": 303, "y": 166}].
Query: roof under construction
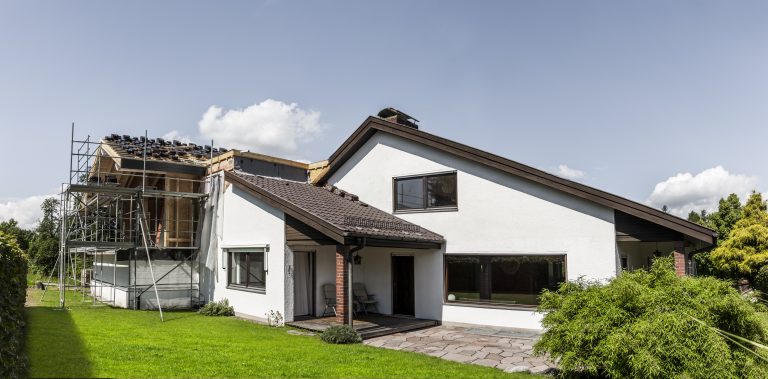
[{"x": 159, "y": 149}]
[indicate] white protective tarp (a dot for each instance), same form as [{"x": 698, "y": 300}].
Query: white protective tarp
[{"x": 209, "y": 239}]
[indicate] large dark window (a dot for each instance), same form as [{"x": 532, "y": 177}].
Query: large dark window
[
  {"x": 246, "y": 269},
  {"x": 426, "y": 192},
  {"x": 502, "y": 279}
]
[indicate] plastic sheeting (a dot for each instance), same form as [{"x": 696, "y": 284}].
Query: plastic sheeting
[{"x": 209, "y": 241}]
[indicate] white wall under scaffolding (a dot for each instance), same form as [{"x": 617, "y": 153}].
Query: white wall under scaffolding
[{"x": 118, "y": 225}]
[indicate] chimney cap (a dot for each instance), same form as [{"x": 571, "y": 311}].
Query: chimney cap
[{"x": 394, "y": 115}]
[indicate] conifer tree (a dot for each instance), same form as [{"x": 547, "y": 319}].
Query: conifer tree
[{"x": 746, "y": 248}]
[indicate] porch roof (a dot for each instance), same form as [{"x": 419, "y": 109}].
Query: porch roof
[{"x": 335, "y": 213}]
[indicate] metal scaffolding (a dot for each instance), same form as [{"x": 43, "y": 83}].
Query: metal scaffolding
[{"x": 130, "y": 216}]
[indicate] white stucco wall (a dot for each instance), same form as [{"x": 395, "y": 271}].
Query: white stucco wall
[
  {"x": 498, "y": 213},
  {"x": 249, "y": 222}
]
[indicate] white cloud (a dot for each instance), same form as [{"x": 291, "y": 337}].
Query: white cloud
[
  {"x": 270, "y": 127},
  {"x": 685, "y": 192},
  {"x": 26, "y": 211},
  {"x": 176, "y": 135},
  {"x": 566, "y": 172}
]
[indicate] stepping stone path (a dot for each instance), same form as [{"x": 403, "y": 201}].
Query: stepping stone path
[{"x": 510, "y": 350}]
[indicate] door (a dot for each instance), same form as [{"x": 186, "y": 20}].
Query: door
[
  {"x": 303, "y": 283},
  {"x": 403, "y": 296}
]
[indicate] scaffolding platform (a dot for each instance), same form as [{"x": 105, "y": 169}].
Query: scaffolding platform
[{"x": 144, "y": 217}]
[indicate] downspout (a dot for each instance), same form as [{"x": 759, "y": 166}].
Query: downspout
[{"x": 350, "y": 293}]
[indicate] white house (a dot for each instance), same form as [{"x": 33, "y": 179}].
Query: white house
[{"x": 438, "y": 231}]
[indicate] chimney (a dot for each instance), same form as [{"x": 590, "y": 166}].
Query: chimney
[{"x": 398, "y": 117}]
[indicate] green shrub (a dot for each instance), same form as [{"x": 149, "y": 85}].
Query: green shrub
[
  {"x": 217, "y": 308},
  {"x": 641, "y": 325},
  {"x": 761, "y": 280},
  {"x": 340, "y": 334},
  {"x": 13, "y": 287}
]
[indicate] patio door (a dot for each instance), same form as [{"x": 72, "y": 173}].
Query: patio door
[
  {"x": 403, "y": 296},
  {"x": 303, "y": 283}
]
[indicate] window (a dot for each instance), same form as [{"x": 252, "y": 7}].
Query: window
[
  {"x": 247, "y": 269},
  {"x": 426, "y": 192},
  {"x": 502, "y": 279}
]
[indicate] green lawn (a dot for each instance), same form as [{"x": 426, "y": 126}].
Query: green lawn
[{"x": 100, "y": 341}]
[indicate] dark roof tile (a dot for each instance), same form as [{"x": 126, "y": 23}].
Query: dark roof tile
[{"x": 340, "y": 209}]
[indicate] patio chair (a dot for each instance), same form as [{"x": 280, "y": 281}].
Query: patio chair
[
  {"x": 363, "y": 299},
  {"x": 329, "y": 293}
]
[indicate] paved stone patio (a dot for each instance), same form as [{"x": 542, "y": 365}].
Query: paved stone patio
[{"x": 506, "y": 349}]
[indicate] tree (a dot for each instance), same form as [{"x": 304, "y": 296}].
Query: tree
[
  {"x": 701, "y": 218},
  {"x": 746, "y": 248},
  {"x": 23, "y": 236},
  {"x": 728, "y": 214},
  {"x": 44, "y": 247},
  {"x": 722, "y": 221}
]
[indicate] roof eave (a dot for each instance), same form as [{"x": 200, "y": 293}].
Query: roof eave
[
  {"x": 313, "y": 221},
  {"x": 331, "y": 231},
  {"x": 373, "y": 124}
]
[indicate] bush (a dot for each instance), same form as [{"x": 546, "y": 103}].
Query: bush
[
  {"x": 761, "y": 280},
  {"x": 340, "y": 334},
  {"x": 13, "y": 287},
  {"x": 641, "y": 325},
  {"x": 217, "y": 308}
]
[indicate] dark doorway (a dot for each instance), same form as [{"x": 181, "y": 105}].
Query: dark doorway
[{"x": 403, "y": 297}]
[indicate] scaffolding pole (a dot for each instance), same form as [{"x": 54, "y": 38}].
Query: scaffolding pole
[
  {"x": 107, "y": 210},
  {"x": 142, "y": 225}
]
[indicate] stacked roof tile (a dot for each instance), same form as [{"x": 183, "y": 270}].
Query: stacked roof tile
[
  {"x": 162, "y": 150},
  {"x": 341, "y": 209}
]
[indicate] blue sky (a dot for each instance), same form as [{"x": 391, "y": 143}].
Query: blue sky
[{"x": 622, "y": 95}]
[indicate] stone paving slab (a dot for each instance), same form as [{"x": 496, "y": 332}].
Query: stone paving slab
[{"x": 510, "y": 350}]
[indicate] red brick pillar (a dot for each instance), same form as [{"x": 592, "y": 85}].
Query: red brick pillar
[
  {"x": 679, "y": 256},
  {"x": 342, "y": 284}
]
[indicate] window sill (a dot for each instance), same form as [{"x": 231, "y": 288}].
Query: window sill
[
  {"x": 511, "y": 307},
  {"x": 246, "y": 289},
  {"x": 427, "y": 210}
]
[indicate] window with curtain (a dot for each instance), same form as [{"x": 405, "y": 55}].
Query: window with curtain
[
  {"x": 502, "y": 279},
  {"x": 247, "y": 269}
]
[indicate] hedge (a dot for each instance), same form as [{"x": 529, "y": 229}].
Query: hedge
[{"x": 13, "y": 287}]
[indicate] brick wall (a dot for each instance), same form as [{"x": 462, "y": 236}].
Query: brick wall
[
  {"x": 679, "y": 263},
  {"x": 342, "y": 283}
]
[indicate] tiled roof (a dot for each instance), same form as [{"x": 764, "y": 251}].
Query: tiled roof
[
  {"x": 342, "y": 210},
  {"x": 159, "y": 149}
]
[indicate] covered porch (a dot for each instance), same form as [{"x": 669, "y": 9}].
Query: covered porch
[
  {"x": 378, "y": 290},
  {"x": 334, "y": 243},
  {"x": 639, "y": 241}
]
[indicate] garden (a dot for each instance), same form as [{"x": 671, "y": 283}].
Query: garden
[
  {"x": 642, "y": 324},
  {"x": 101, "y": 341}
]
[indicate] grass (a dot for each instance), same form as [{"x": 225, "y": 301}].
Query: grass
[{"x": 100, "y": 341}]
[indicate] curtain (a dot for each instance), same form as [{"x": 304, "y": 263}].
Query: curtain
[{"x": 302, "y": 285}]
